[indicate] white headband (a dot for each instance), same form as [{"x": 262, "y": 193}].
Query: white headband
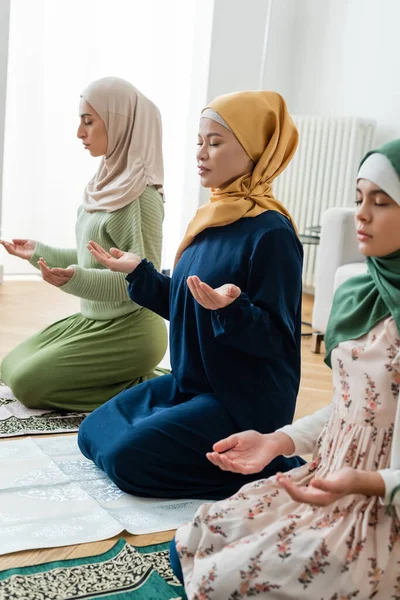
[
  {"x": 378, "y": 169},
  {"x": 209, "y": 113}
]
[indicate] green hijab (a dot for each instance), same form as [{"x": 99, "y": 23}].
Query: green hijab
[{"x": 362, "y": 301}]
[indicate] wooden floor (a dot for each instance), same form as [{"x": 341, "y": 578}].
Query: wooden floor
[{"x": 25, "y": 307}]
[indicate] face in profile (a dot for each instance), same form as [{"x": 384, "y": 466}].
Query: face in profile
[
  {"x": 220, "y": 157},
  {"x": 377, "y": 220},
  {"x": 92, "y": 130}
]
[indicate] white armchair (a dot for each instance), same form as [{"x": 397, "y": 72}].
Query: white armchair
[{"x": 338, "y": 259}]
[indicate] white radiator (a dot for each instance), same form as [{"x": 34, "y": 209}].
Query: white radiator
[{"x": 322, "y": 174}]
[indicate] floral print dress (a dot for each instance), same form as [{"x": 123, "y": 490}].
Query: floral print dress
[{"x": 261, "y": 543}]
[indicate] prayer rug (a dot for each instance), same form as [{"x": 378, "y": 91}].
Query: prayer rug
[
  {"x": 51, "y": 496},
  {"x": 16, "y": 419},
  {"x": 122, "y": 573}
]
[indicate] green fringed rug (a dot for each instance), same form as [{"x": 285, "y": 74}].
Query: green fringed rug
[{"x": 124, "y": 572}]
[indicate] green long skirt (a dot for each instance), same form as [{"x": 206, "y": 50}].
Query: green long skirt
[{"x": 78, "y": 364}]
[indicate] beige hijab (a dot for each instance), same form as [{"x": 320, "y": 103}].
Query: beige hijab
[{"x": 134, "y": 154}]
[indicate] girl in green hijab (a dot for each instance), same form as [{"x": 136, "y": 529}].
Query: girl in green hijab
[{"x": 331, "y": 528}]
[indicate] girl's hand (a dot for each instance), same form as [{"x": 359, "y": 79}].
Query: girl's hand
[
  {"x": 55, "y": 276},
  {"x": 249, "y": 451},
  {"x": 210, "y": 298},
  {"x": 115, "y": 260},
  {"x": 343, "y": 482},
  {"x": 21, "y": 248}
]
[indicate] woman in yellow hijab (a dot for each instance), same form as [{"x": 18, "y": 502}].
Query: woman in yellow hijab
[{"x": 234, "y": 304}]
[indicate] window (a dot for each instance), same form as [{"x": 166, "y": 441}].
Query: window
[{"x": 55, "y": 50}]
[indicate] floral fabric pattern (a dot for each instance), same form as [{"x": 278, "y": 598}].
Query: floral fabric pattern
[{"x": 260, "y": 543}]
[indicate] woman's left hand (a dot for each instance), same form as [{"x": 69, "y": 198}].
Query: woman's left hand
[
  {"x": 322, "y": 492},
  {"x": 212, "y": 299},
  {"x": 55, "y": 276}
]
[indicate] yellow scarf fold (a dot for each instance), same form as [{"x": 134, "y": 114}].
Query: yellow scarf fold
[{"x": 261, "y": 122}]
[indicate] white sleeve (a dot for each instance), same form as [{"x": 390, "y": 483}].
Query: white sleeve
[
  {"x": 305, "y": 431},
  {"x": 391, "y": 478}
]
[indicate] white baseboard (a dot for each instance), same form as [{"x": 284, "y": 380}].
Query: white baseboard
[{"x": 22, "y": 276}]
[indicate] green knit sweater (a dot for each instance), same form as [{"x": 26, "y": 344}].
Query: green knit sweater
[{"x": 135, "y": 228}]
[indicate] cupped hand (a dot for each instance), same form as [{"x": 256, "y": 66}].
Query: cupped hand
[
  {"x": 55, "y": 276},
  {"x": 20, "y": 247},
  {"x": 245, "y": 452},
  {"x": 115, "y": 260},
  {"x": 210, "y": 298},
  {"x": 321, "y": 491}
]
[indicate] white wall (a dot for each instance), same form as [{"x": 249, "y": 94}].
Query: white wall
[
  {"x": 326, "y": 57},
  {"x": 235, "y": 64},
  {"x": 337, "y": 57},
  {"x": 4, "y": 21},
  {"x": 70, "y": 44}
]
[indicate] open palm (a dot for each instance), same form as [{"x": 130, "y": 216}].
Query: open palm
[
  {"x": 115, "y": 260},
  {"x": 245, "y": 452},
  {"x": 213, "y": 299},
  {"x": 20, "y": 247},
  {"x": 321, "y": 492}
]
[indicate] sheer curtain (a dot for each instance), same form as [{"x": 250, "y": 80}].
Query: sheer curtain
[{"x": 56, "y": 49}]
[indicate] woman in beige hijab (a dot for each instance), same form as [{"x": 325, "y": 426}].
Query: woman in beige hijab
[{"x": 113, "y": 344}]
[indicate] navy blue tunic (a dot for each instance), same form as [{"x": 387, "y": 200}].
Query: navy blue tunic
[{"x": 233, "y": 369}]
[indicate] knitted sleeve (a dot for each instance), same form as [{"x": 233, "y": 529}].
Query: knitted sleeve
[
  {"x": 137, "y": 230},
  {"x": 54, "y": 257}
]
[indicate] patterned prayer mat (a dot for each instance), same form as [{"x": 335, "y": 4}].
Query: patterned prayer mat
[
  {"x": 122, "y": 573},
  {"x": 16, "y": 419},
  {"x": 51, "y": 496}
]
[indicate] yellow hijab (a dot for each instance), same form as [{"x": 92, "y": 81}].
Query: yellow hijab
[{"x": 262, "y": 124}]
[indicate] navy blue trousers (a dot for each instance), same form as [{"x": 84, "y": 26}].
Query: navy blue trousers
[
  {"x": 175, "y": 562},
  {"x": 151, "y": 440}
]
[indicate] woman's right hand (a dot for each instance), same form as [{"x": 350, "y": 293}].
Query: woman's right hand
[
  {"x": 21, "y": 248},
  {"x": 115, "y": 260},
  {"x": 249, "y": 451}
]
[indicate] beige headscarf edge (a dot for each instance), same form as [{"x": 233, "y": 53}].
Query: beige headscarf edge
[{"x": 134, "y": 154}]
